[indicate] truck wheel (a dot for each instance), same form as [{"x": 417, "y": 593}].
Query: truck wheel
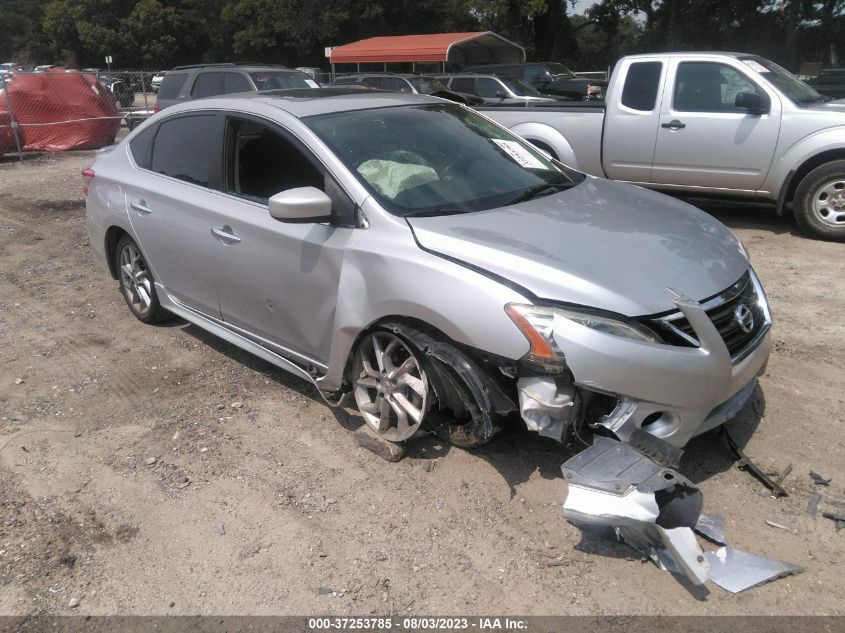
[{"x": 820, "y": 202}]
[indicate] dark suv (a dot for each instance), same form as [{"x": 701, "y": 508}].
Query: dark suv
[
  {"x": 184, "y": 83},
  {"x": 549, "y": 78}
]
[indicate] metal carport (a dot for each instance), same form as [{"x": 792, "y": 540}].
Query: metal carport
[{"x": 479, "y": 47}]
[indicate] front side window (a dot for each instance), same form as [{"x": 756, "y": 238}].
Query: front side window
[
  {"x": 261, "y": 162},
  {"x": 709, "y": 87},
  {"x": 437, "y": 158},
  {"x": 641, "y": 84},
  {"x": 488, "y": 88},
  {"x": 535, "y": 75},
  {"x": 235, "y": 82},
  {"x": 519, "y": 87},
  {"x": 184, "y": 148},
  {"x": 208, "y": 85}
]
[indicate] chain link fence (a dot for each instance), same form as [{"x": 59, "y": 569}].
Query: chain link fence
[{"x": 67, "y": 110}]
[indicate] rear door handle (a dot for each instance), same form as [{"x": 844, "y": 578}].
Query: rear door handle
[
  {"x": 673, "y": 125},
  {"x": 141, "y": 207},
  {"x": 225, "y": 234}
]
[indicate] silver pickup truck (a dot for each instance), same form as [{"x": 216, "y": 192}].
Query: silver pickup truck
[{"x": 705, "y": 124}]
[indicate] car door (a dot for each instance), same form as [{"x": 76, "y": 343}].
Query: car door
[
  {"x": 277, "y": 281},
  {"x": 168, "y": 201},
  {"x": 704, "y": 140},
  {"x": 632, "y": 122}
]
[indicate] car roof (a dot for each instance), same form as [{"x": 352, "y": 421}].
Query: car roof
[{"x": 305, "y": 102}]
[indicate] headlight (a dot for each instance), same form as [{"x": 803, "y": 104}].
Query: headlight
[{"x": 537, "y": 324}]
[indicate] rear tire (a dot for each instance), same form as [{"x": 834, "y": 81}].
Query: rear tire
[
  {"x": 136, "y": 282},
  {"x": 820, "y": 202}
]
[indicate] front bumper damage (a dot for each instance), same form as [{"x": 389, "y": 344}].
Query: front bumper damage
[
  {"x": 628, "y": 480},
  {"x": 673, "y": 392}
]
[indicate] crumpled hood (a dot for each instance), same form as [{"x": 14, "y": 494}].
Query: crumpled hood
[{"x": 601, "y": 244}]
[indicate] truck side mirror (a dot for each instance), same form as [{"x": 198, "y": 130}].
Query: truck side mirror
[
  {"x": 752, "y": 102},
  {"x": 501, "y": 94}
]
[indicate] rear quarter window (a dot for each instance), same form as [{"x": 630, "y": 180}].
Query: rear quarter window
[
  {"x": 641, "y": 84},
  {"x": 171, "y": 85},
  {"x": 141, "y": 145}
]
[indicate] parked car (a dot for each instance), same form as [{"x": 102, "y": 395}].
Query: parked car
[
  {"x": 432, "y": 266},
  {"x": 122, "y": 89},
  {"x": 416, "y": 84},
  {"x": 549, "y": 78},
  {"x": 495, "y": 90},
  {"x": 830, "y": 82},
  {"x": 715, "y": 124},
  {"x": 184, "y": 83}
]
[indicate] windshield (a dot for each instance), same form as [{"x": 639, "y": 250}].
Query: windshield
[
  {"x": 426, "y": 85},
  {"x": 519, "y": 87},
  {"x": 281, "y": 80},
  {"x": 560, "y": 71},
  {"x": 796, "y": 90},
  {"x": 436, "y": 158}
]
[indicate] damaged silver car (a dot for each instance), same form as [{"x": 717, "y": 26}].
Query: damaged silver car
[{"x": 412, "y": 255}]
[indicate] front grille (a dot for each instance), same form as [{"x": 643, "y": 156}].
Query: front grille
[{"x": 725, "y": 313}]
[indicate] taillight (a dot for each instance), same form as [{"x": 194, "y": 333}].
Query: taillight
[
  {"x": 87, "y": 177},
  {"x": 156, "y": 108}
]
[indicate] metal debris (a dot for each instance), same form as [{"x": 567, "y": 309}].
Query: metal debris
[
  {"x": 735, "y": 570},
  {"x": 650, "y": 507},
  {"x": 712, "y": 527},
  {"x": 654, "y": 509},
  {"x": 744, "y": 463},
  {"x": 819, "y": 480},
  {"x": 546, "y": 407}
]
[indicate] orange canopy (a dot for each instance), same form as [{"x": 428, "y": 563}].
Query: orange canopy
[{"x": 480, "y": 47}]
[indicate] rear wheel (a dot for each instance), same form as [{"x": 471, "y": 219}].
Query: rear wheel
[
  {"x": 820, "y": 202},
  {"x": 136, "y": 282}
]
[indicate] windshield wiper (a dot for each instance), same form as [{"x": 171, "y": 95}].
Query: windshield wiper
[
  {"x": 536, "y": 190},
  {"x": 430, "y": 213}
]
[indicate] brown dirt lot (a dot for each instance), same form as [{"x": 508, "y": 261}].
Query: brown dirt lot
[{"x": 128, "y": 481}]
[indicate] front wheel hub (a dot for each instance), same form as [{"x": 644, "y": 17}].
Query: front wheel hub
[{"x": 390, "y": 386}]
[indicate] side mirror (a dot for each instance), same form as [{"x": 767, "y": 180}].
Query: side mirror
[
  {"x": 501, "y": 94},
  {"x": 301, "y": 205},
  {"x": 753, "y": 102}
]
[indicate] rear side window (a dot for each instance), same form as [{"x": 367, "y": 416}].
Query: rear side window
[
  {"x": 184, "y": 148},
  {"x": 641, "y": 83},
  {"x": 171, "y": 85},
  {"x": 208, "y": 85},
  {"x": 373, "y": 82},
  {"x": 141, "y": 145},
  {"x": 463, "y": 84},
  {"x": 236, "y": 82}
]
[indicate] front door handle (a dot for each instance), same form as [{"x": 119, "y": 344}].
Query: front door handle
[
  {"x": 141, "y": 207},
  {"x": 225, "y": 234},
  {"x": 674, "y": 124}
]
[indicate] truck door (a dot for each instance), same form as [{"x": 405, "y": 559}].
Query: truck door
[
  {"x": 631, "y": 122},
  {"x": 704, "y": 139}
]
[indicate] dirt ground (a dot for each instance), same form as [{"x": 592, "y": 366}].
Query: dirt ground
[{"x": 157, "y": 470}]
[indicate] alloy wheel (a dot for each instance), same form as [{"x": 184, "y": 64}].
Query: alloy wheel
[
  {"x": 390, "y": 386},
  {"x": 135, "y": 280}
]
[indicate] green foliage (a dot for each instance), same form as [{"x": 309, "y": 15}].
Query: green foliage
[{"x": 162, "y": 33}]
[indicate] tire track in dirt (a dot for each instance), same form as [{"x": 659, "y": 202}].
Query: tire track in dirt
[{"x": 73, "y": 350}]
